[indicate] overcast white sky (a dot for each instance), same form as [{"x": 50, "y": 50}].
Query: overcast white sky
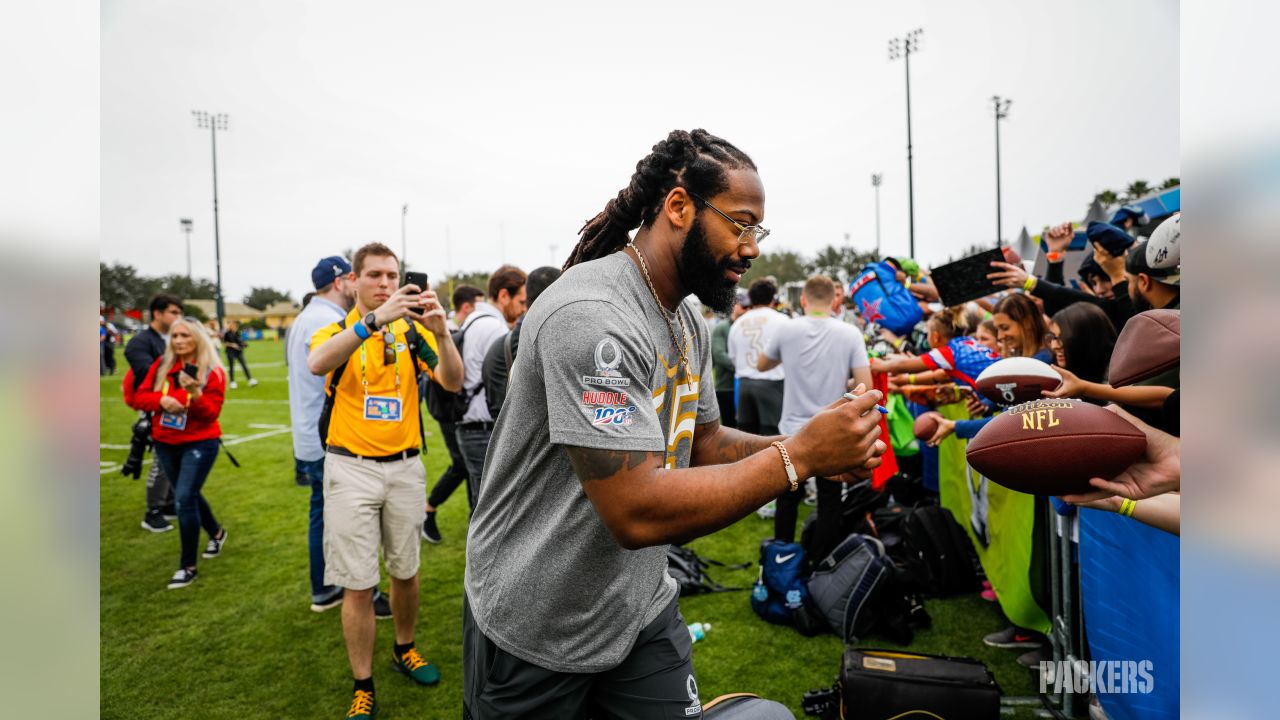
[{"x": 511, "y": 124}]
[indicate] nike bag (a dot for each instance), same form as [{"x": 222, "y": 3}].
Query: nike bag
[
  {"x": 882, "y": 299},
  {"x": 780, "y": 595},
  {"x": 879, "y": 684}
]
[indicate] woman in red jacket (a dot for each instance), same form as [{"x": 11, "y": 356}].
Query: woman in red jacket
[{"x": 184, "y": 425}]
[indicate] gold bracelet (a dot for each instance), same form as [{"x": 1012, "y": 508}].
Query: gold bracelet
[
  {"x": 1127, "y": 507},
  {"x": 786, "y": 463}
]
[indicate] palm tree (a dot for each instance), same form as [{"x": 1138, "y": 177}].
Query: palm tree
[
  {"x": 1136, "y": 189},
  {"x": 1107, "y": 198},
  {"x": 1170, "y": 183}
]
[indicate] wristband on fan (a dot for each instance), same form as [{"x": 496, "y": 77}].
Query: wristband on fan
[
  {"x": 1029, "y": 283},
  {"x": 1054, "y": 257},
  {"x": 1127, "y": 507},
  {"x": 911, "y": 379},
  {"x": 362, "y": 330},
  {"x": 786, "y": 463}
]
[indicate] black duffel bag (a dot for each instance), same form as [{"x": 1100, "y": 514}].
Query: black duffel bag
[{"x": 887, "y": 683}]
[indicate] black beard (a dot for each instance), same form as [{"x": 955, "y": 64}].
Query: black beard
[
  {"x": 703, "y": 275},
  {"x": 1140, "y": 302}
]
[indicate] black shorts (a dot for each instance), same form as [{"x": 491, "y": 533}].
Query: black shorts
[{"x": 654, "y": 681}]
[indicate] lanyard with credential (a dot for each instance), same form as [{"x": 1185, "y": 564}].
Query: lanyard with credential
[
  {"x": 364, "y": 361},
  {"x": 165, "y": 391}
]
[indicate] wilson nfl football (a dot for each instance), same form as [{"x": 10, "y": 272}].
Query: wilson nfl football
[{"x": 1053, "y": 447}]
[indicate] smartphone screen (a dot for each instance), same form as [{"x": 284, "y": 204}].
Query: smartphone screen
[{"x": 191, "y": 370}]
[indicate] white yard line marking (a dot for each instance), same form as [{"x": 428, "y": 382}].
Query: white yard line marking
[{"x": 109, "y": 467}]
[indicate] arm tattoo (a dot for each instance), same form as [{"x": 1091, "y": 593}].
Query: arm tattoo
[
  {"x": 728, "y": 445},
  {"x": 595, "y": 464}
]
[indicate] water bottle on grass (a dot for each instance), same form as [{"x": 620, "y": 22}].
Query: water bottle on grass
[{"x": 698, "y": 630}]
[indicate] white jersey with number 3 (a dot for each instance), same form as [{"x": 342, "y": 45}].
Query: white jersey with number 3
[{"x": 746, "y": 340}]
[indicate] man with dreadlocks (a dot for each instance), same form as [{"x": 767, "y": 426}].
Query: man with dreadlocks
[{"x": 609, "y": 448}]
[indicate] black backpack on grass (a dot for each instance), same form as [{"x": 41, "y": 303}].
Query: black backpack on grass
[
  {"x": 937, "y": 556},
  {"x": 690, "y": 571}
]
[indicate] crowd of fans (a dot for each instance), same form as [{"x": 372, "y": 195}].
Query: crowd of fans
[
  {"x": 370, "y": 350},
  {"x": 1072, "y": 330}
]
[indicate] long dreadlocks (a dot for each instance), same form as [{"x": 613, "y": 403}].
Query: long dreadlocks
[{"x": 693, "y": 160}]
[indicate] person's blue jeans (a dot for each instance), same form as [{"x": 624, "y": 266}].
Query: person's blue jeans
[
  {"x": 187, "y": 466},
  {"x": 313, "y": 471},
  {"x": 473, "y": 444}
]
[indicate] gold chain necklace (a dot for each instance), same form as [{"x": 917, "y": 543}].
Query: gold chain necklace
[{"x": 644, "y": 267}]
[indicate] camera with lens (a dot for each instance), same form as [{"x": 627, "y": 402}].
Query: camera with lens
[{"x": 138, "y": 446}]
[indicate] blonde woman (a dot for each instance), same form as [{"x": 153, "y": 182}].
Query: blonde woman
[{"x": 184, "y": 391}]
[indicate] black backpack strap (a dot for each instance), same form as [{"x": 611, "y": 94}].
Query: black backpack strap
[
  {"x": 462, "y": 392},
  {"x": 326, "y": 412},
  {"x": 413, "y": 339}
]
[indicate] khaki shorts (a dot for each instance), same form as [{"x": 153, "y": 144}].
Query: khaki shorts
[{"x": 369, "y": 504}]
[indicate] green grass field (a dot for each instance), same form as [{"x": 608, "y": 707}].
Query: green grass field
[{"x": 242, "y": 642}]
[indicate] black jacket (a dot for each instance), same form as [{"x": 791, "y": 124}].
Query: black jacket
[
  {"x": 495, "y": 372},
  {"x": 141, "y": 352},
  {"x": 1057, "y": 296}
]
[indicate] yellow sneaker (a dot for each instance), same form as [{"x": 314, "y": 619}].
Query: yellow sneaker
[
  {"x": 413, "y": 665},
  {"x": 363, "y": 706}
]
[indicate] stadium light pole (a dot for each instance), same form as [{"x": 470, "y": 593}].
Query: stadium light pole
[
  {"x": 1002, "y": 111},
  {"x": 875, "y": 183},
  {"x": 902, "y": 48},
  {"x": 186, "y": 228},
  {"x": 215, "y": 122}
]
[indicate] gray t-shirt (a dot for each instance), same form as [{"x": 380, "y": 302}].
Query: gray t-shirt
[
  {"x": 822, "y": 352},
  {"x": 545, "y": 579}
]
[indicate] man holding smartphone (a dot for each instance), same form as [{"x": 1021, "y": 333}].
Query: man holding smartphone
[
  {"x": 373, "y": 479},
  {"x": 334, "y": 284}
]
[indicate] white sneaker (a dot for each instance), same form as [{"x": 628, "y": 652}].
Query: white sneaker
[
  {"x": 234, "y": 385},
  {"x": 768, "y": 510},
  {"x": 252, "y": 382},
  {"x": 182, "y": 578}
]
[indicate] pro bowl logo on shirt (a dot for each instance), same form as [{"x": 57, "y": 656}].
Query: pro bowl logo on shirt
[
  {"x": 608, "y": 407},
  {"x": 607, "y": 356},
  {"x": 691, "y": 688}
]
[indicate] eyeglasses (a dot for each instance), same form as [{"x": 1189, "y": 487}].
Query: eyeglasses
[{"x": 746, "y": 233}]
